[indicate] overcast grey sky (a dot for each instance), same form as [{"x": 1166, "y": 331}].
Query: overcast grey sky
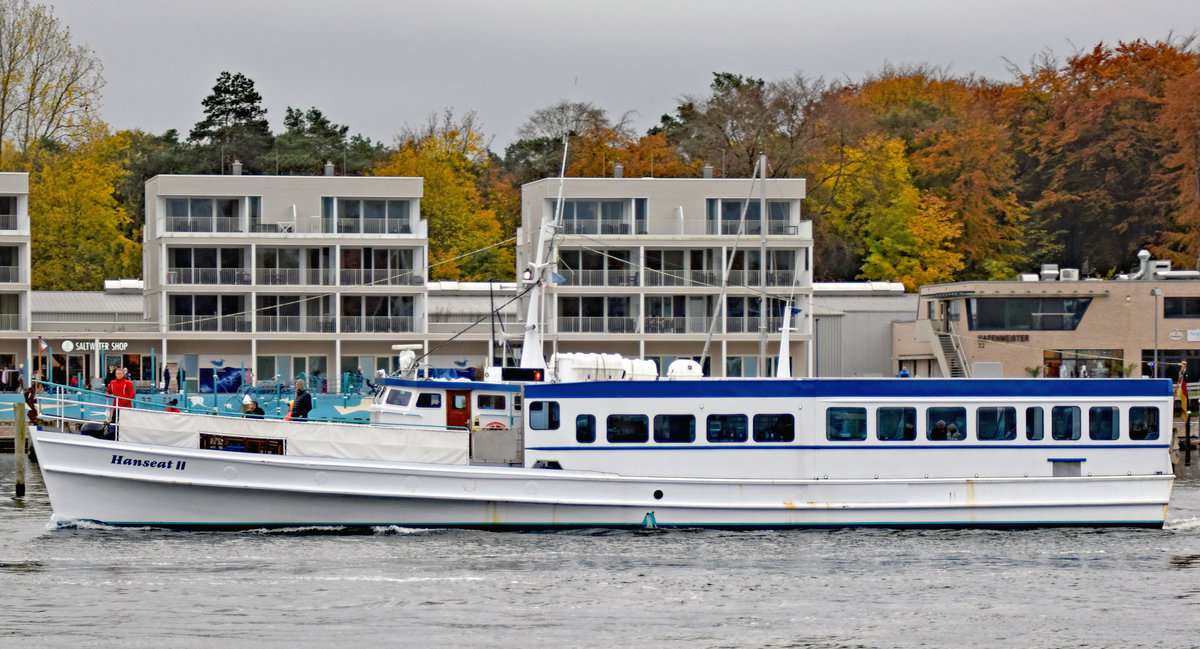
[{"x": 378, "y": 65}]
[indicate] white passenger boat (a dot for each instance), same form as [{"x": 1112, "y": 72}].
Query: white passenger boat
[
  {"x": 775, "y": 453},
  {"x": 606, "y": 443}
]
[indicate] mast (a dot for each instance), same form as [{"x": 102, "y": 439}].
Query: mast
[
  {"x": 531, "y": 350},
  {"x": 762, "y": 265}
]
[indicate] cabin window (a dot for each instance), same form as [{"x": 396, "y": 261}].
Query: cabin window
[
  {"x": 846, "y": 424},
  {"x": 585, "y": 429},
  {"x": 1064, "y": 422},
  {"x": 774, "y": 428},
  {"x": 996, "y": 423},
  {"x": 628, "y": 429},
  {"x": 543, "y": 415},
  {"x": 896, "y": 424},
  {"x": 728, "y": 428},
  {"x": 459, "y": 402},
  {"x": 1104, "y": 423},
  {"x": 517, "y": 402},
  {"x": 674, "y": 428},
  {"x": 946, "y": 424},
  {"x": 266, "y": 446},
  {"x": 429, "y": 400},
  {"x": 1034, "y": 430},
  {"x": 399, "y": 398},
  {"x": 491, "y": 402},
  {"x": 1143, "y": 423}
]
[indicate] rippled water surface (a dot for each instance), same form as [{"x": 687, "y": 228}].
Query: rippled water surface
[{"x": 413, "y": 588}]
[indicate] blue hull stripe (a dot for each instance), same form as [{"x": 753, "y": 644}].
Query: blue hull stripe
[{"x": 850, "y": 388}]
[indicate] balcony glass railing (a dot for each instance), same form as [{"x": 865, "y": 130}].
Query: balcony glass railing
[
  {"x": 8, "y": 221},
  {"x": 10, "y": 322},
  {"x": 676, "y": 325},
  {"x": 10, "y": 274},
  {"x": 377, "y": 324},
  {"x": 380, "y": 277},
  {"x": 236, "y": 323},
  {"x": 209, "y": 276},
  {"x": 571, "y": 324}
]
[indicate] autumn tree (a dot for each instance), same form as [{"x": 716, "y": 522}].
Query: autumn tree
[
  {"x": 234, "y": 125},
  {"x": 79, "y": 232},
  {"x": 1180, "y": 123},
  {"x": 464, "y": 233},
  {"x": 1090, "y": 148},
  {"x": 49, "y": 87},
  {"x": 901, "y": 233},
  {"x": 742, "y": 117}
]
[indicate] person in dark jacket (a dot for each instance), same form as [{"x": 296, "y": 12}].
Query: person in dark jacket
[
  {"x": 255, "y": 411},
  {"x": 302, "y": 404}
]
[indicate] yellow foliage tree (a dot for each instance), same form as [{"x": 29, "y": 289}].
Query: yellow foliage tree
[
  {"x": 465, "y": 241},
  {"x": 79, "y": 231},
  {"x": 906, "y": 235}
]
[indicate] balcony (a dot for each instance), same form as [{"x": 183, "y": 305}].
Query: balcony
[
  {"x": 584, "y": 325},
  {"x": 278, "y": 277},
  {"x": 753, "y": 228},
  {"x": 373, "y": 226},
  {"x": 377, "y": 324},
  {"x": 751, "y": 324},
  {"x": 592, "y": 226},
  {"x": 279, "y": 324},
  {"x": 231, "y": 323},
  {"x": 208, "y": 276},
  {"x": 600, "y": 277},
  {"x": 676, "y": 325},
  {"x": 680, "y": 277},
  {"x": 381, "y": 277},
  {"x": 10, "y": 322},
  {"x": 8, "y": 221},
  {"x": 222, "y": 224},
  {"x": 10, "y": 274}
]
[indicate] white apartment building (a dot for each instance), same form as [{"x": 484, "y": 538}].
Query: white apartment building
[
  {"x": 642, "y": 269},
  {"x": 283, "y": 275}
]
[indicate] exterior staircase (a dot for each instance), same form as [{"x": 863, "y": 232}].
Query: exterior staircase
[{"x": 954, "y": 361}]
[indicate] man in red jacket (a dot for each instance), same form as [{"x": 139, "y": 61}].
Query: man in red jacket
[{"x": 122, "y": 390}]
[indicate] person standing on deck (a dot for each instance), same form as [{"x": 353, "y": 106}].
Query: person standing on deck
[
  {"x": 302, "y": 404},
  {"x": 122, "y": 391}
]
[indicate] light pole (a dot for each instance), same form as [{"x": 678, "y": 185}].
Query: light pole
[{"x": 1156, "y": 292}]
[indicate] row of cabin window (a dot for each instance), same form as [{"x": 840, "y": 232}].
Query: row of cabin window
[
  {"x": 402, "y": 398},
  {"x": 668, "y": 429},
  {"x": 991, "y": 423}
]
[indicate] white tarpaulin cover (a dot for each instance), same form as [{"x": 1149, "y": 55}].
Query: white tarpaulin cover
[{"x": 305, "y": 439}]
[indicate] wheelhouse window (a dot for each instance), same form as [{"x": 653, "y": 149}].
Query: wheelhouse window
[
  {"x": 846, "y": 424},
  {"x": 1064, "y": 422},
  {"x": 1143, "y": 423},
  {"x": 585, "y": 429},
  {"x": 674, "y": 428},
  {"x": 946, "y": 424},
  {"x": 996, "y": 423},
  {"x": 896, "y": 424},
  {"x": 398, "y": 398},
  {"x": 1027, "y": 313},
  {"x": 628, "y": 429},
  {"x": 492, "y": 402},
  {"x": 1104, "y": 423},
  {"x": 543, "y": 415},
  {"x": 727, "y": 428},
  {"x": 429, "y": 400},
  {"x": 774, "y": 428}
]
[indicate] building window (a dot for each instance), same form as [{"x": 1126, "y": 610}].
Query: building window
[
  {"x": 725, "y": 215},
  {"x": 1181, "y": 307},
  {"x": 1084, "y": 363},
  {"x": 1027, "y": 313},
  {"x": 368, "y": 215},
  {"x": 594, "y": 216}
]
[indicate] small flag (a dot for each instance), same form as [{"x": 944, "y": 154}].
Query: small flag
[
  {"x": 42, "y": 343},
  {"x": 797, "y": 310},
  {"x": 1183, "y": 392}
]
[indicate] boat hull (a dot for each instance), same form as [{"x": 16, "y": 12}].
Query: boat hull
[{"x": 127, "y": 484}]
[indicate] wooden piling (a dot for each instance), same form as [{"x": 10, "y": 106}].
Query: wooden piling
[{"x": 19, "y": 425}]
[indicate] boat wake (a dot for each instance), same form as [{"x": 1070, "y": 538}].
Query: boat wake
[{"x": 1183, "y": 524}]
